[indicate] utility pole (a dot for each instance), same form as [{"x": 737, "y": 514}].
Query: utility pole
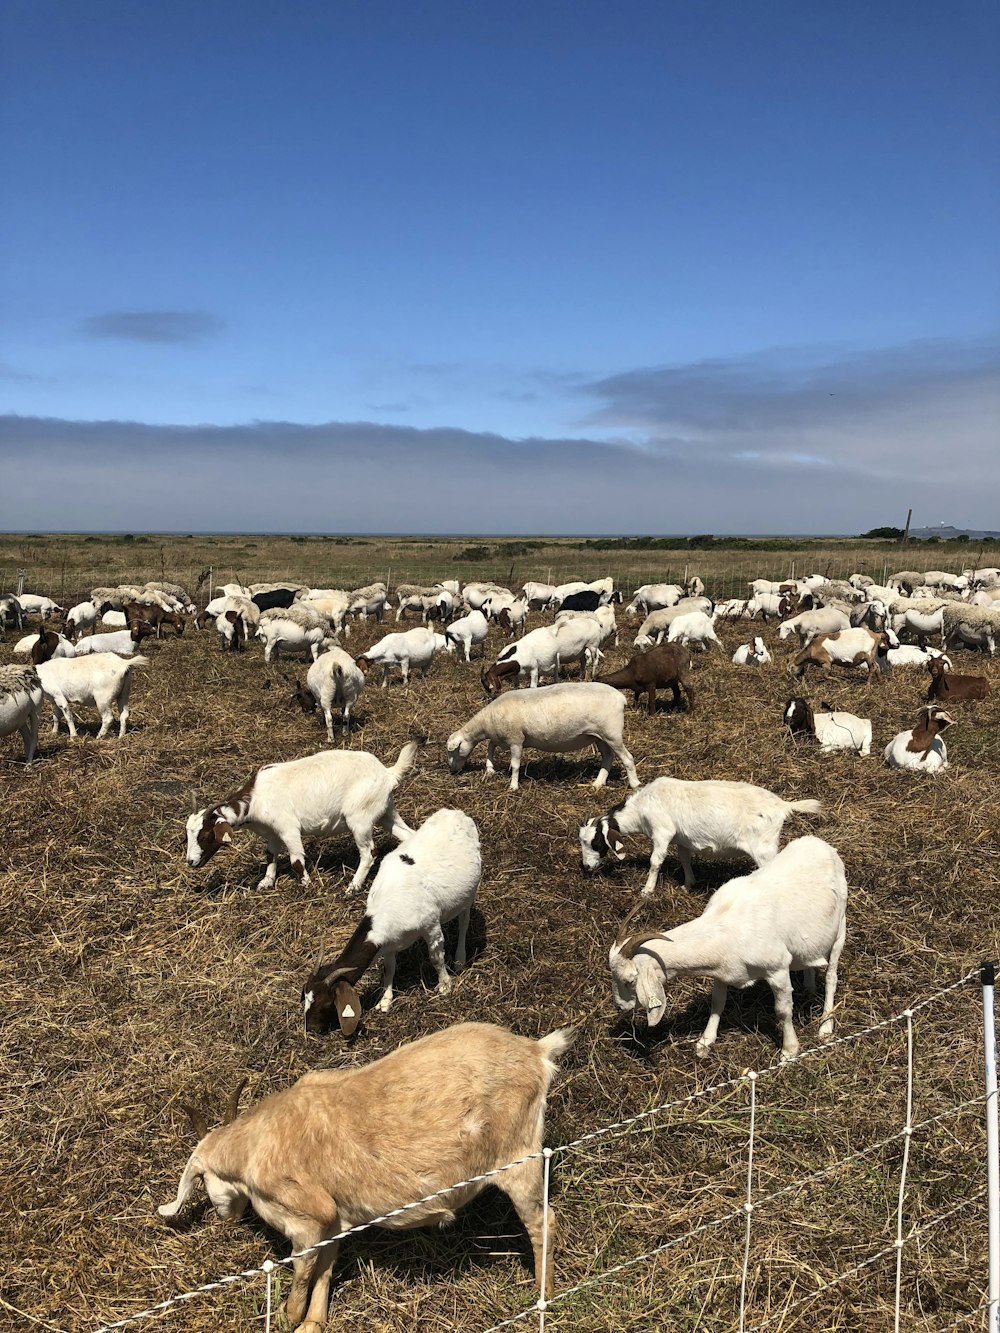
[{"x": 906, "y": 530}]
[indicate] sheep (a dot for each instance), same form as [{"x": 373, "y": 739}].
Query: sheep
[
  {"x": 452, "y": 1107},
  {"x": 333, "y": 607},
  {"x": 939, "y": 578},
  {"x": 921, "y": 748},
  {"x": 175, "y": 590},
  {"x": 101, "y": 679},
  {"x": 905, "y": 581},
  {"x": 475, "y": 594},
  {"x": 919, "y": 617},
  {"x": 369, "y": 601},
  {"x": 20, "y": 697},
  {"x": 293, "y": 629},
  {"x": 412, "y": 597},
  {"x": 412, "y": 647},
  {"x": 654, "y": 597},
  {"x": 304, "y": 798},
  {"x": 789, "y": 915},
  {"x": 722, "y": 819},
  {"x": 848, "y": 648},
  {"x": 114, "y": 598},
  {"x": 834, "y": 730},
  {"x": 667, "y": 665},
  {"x": 80, "y": 617},
  {"x": 334, "y": 681},
  {"x": 556, "y": 718},
  {"x": 694, "y": 627},
  {"x": 753, "y": 653},
  {"x": 970, "y": 626},
  {"x": 467, "y": 631},
  {"x": 947, "y": 686},
  {"x": 657, "y": 623},
  {"x": 428, "y": 880},
  {"x": 11, "y": 609},
  {"x": 824, "y": 620}
]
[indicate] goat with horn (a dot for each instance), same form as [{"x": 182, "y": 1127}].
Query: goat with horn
[{"x": 788, "y": 916}]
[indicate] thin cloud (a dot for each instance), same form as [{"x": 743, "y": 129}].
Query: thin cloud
[{"x": 153, "y": 326}]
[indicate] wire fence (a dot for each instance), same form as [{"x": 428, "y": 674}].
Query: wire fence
[{"x": 907, "y": 1232}]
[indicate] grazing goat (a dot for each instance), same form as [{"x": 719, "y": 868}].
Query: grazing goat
[
  {"x": 467, "y": 631},
  {"x": 305, "y": 798},
  {"x": 789, "y": 916},
  {"x": 947, "y": 686},
  {"x": 921, "y": 748},
  {"x": 555, "y": 718},
  {"x": 721, "y": 819},
  {"x": 834, "y": 730},
  {"x": 428, "y": 880},
  {"x": 20, "y": 696},
  {"x": 101, "y": 679},
  {"x": 342, "y": 1147},
  {"x": 667, "y": 666},
  {"x": 333, "y": 681},
  {"x": 403, "y": 649},
  {"x": 848, "y": 648},
  {"x": 693, "y": 627}
]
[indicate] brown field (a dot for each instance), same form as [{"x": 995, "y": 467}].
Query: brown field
[{"x": 136, "y": 984}]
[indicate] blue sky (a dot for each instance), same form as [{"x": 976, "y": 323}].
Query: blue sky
[{"x": 556, "y": 267}]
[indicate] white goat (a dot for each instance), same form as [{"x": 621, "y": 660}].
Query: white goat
[
  {"x": 752, "y": 654},
  {"x": 694, "y": 627},
  {"x": 335, "y": 681},
  {"x": 468, "y": 630},
  {"x": 428, "y": 880},
  {"x": 20, "y": 696},
  {"x": 720, "y": 819},
  {"x": 807, "y": 624},
  {"x": 101, "y": 679},
  {"x": 403, "y": 649},
  {"x": 307, "y": 798},
  {"x": 80, "y": 617},
  {"x": 118, "y": 641},
  {"x": 654, "y": 597},
  {"x": 454, "y": 1106},
  {"x": 64, "y": 647},
  {"x": 34, "y": 605},
  {"x": 789, "y": 916},
  {"x": 556, "y": 718},
  {"x": 604, "y": 615}
]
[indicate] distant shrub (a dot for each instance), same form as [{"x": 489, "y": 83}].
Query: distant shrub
[{"x": 474, "y": 553}]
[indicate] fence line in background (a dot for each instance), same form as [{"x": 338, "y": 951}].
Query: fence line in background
[{"x": 745, "y": 1212}]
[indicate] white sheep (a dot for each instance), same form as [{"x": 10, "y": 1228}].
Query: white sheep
[
  {"x": 101, "y": 679},
  {"x": 752, "y": 654},
  {"x": 711, "y": 818},
  {"x": 970, "y": 626},
  {"x": 788, "y": 916},
  {"x": 468, "y": 630},
  {"x": 834, "y": 730},
  {"x": 556, "y": 719},
  {"x": 335, "y": 681},
  {"x": 293, "y": 629},
  {"x": 20, "y": 697},
  {"x": 369, "y": 601},
  {"x": 921, "y": 748},
  {"x": 333, "y": 605},
  {"x": 694, "y": 627},
  {"x": 428, "y": 880},
  {"x": 410, "y": 648},
  {"x": 307, "y": 798}
]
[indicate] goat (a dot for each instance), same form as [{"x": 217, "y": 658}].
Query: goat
[
  {"x": 406, "y": 648},
  {"x": 101, "y": 679},
  {"x": 427, "y": 881},
  {"x": 751, "y": 654},
  {"x": 303, "y": 798},
  {"x": 788, "y": 916},
  {"x": 722, "y": 819},
  {"x": 666, "y": 666},
  {"x": 449, "y": 1108},
  {"x": 467, "y": 631},
  {"x": 833, "y": 730},
  {"x": 333, "y": 681},
  {"x": 847, "y": 648},
  {"x": 947, "y": 686},
  {"x": 922, "y": 747}
]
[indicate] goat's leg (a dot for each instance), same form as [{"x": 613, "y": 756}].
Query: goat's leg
[
  {"x": 491, "y": 750},
  {"x": 524, "y": 1185},
  {"x": 661, "y": 844},
  {"x": 388, "y": 974},
  {"x": 366, "y": 849},
  {"x": 515, "y": 764},
  {"x": 712, "y": 1026},
  {"x": 607, "y": 758},
  {"x": 781, "y": 985},
  {"x": 274, "y": 846},
  {"x": 304, "y": 1310},
  {"x": 434, "y": 939},
  {"x": 463, "y": 929},
  {"x": 826, "y": 1026},
  {"x": 123, "y": 698}
]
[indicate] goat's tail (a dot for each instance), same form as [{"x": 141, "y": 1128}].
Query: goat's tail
[
  {"x": 556, "y": 1044},
  {"x": 407, "y": 758},
  {"x": 138, "y": 660},
  {"x": 805, "y": 807}
]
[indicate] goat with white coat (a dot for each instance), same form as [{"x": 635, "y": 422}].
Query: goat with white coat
[
  {"x": 334, "y": 681},
  {"x": 307, "y": 798},
  {"x": 428, "y": 880},
  {"x": 752, "y": 654},
  {"x": 556, "y": 719},
  {"x": 403, "y": 649},
  {"x": 834, "y": 730},
  {"x": 468, "y": 631},
  {"x": 720, "y": 819},
  {"x": 789, "y": 916},
  {"x": 101, "y": 679},
  {"x": 695, "y": 627}
]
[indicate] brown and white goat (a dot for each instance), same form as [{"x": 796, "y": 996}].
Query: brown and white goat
[
  {"x": 947, "y": 686},
  {"x": 847, "y": 648},
  {"x": 344, "y": 1147}
]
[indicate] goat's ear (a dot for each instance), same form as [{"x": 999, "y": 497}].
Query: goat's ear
[
  {"x": 223, "y": 833},
  {"x": 345, "y": 997},
  {"x": 649, "y": 990}
]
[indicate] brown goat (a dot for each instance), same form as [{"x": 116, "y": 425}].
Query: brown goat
[
  {"x": 155, "y": 616},
  {"x": 947, "y": 686},
  {"x": 667, "y": 666}
]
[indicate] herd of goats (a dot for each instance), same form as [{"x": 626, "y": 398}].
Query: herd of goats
[{"x": 344, "y": 1147}]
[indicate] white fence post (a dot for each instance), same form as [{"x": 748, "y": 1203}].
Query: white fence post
[
  {"x": 543, "y": 1304},
  {"x": 987, "y": 975},
  {"x": 748, "y": 1206},
  {"x": 907, "y": 1136}
]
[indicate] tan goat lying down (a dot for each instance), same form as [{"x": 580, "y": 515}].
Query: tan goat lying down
[{"x": 344, "y": 1146}]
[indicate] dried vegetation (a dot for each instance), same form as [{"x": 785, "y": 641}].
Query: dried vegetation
[{"x": 134, "y": 984}]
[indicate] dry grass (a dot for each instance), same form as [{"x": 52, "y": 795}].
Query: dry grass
[{"x": 135, "y": 984}]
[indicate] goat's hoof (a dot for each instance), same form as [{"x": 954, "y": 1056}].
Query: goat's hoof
[
  {"x": 826, "y": 1030},
  {"x": 702, "y": 1049},
  {"x": 266, "y": 883},
  {"x": 309, "y": 1326}
]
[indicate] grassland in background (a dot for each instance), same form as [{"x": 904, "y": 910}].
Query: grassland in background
[{"x": 67, "y": 565}]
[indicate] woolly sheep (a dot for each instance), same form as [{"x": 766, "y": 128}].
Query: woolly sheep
[
  {"x": 428, "y": 880},
  {"x": 788, "y": 916},
  {"x": 20, "y": 697},
  {"x": 293, "y": 629},
  {"x": 715, "y": 818},
  {"x": 556, "y": 719}
]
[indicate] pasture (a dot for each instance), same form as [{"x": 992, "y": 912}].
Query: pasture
[{"x": 136, "y": 984}]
